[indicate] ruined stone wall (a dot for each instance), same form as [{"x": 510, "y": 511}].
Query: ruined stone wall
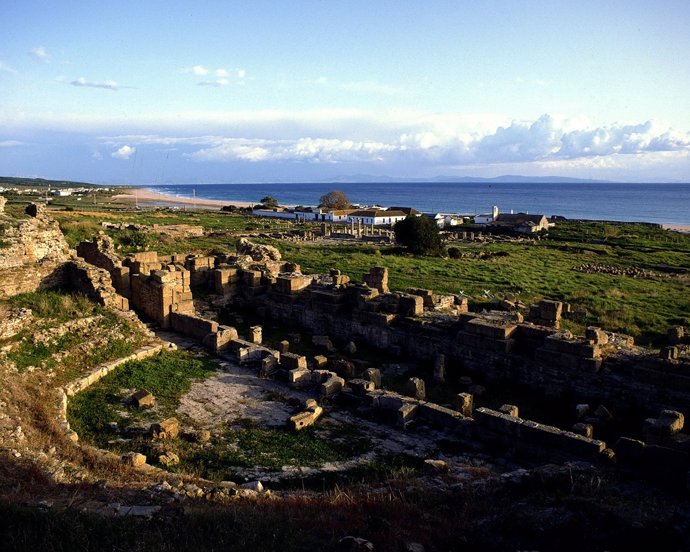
[
  {"x": 100, "y": 252},
  {"x": 93, "y": 282},
  {"x": 161, "y": 293},
  {"x": 32, "y": 252},
  {"x": 518, "y": 353}
]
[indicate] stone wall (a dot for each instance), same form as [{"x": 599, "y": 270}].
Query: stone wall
[
  {"x": 101, "y": 252},
  {"x": 32, "y": 253},
  {"x": 93, "y": 282},
  {"x": 161, "y": 293}
]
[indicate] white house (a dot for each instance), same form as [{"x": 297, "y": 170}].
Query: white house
[
  {"x": 338, "y": 215},
  {"x": 278, "y": 213},
  {"x": 487, "y": 218},
  {"x": 377, "y": 217}
]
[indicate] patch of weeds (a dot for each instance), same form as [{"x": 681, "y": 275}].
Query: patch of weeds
[
  {"x": 273, "y": 448},
  {"x": 168, "y": 375}
]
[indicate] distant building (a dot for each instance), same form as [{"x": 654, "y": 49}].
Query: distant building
[
  {"x": 407, "y": 210},
  {"x": 339, "y": 215},
  {"x": 522, "y": 222},
  {"x": 487, "y": 218},
  {"x": 377, "y": 217},
  {"x": 278, "y": 213}
]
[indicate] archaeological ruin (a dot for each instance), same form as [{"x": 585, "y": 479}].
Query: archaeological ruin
[{"x": 620, "y": 406}]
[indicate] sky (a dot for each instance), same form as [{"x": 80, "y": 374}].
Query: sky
[{"x": 159, "y": 92}]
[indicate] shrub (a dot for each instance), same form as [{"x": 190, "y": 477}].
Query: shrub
[
  {"x": 419, "y": 234},
  {"x": 454, "y": 252}
]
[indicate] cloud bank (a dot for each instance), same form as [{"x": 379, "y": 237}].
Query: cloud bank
[{"x": 107, "y": 85}]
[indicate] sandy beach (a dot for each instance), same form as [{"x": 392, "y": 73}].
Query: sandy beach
[
  {"x": 148, "y": 198},
  {"x": 685, "y": 228}
]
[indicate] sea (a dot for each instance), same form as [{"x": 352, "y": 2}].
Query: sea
[{"x": 634, "y": 202}]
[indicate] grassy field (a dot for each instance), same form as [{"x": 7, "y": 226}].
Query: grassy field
[
  {"x": 43, "y": 346},
  {"x": 644, "y": 307}
]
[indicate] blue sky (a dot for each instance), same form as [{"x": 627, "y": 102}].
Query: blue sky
[{"x": 172, "y": 92}]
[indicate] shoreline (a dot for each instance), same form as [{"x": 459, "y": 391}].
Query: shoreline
[
  {"x": 150, "y": 198},
  {"x": 147, "y": 197}
]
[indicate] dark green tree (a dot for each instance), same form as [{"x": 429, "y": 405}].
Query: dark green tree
[
  {"x": 269, "y": 202},
  {"x": 419, "y": 234}
]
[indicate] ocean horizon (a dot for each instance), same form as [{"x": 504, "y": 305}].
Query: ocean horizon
[{"x": 628, "y": 202}]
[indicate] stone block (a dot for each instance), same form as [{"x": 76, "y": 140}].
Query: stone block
[
  {"x": 332, "y": 386},
  {"x": 350, "y": 348},
  {"x": 510, "y": 410},
  {"x": 676, "y": 335},
  {"x": 596, "y": 335},
  {"x": 410, "y": 305},
  {"x": 269, "y": 366},
  {"x": 167, "y": 429},
  {"x": 465, "y": 404},
  {"x": 344, "y": 368},
  {"x": 670, "y": 422},
  {"x": 415, "y": 387},
  {"x": 374, "y": 376},
  {"x": 305, "y": 419},
  {"x": 292, "y": 361},
  {"x": 299, "y": 377},
  {"x": 320, "y": 362},
  {"x": 405, "y": 414},
  {"x": 586, "y": 430},
  {"x": 142, "y": 398},
  {"x": 284, "y": 346},
  {"x": 255, "y": 335},
  {"x": 360, "y": 387},
  {"x": 133, "y": 459}
]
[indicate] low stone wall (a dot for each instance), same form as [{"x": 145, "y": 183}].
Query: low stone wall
[
  {"x": 515, "y": 433},
  {"x": 97, "y": 374}
]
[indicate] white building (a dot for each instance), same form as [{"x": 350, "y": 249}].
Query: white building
[
  {"x": 487, "y": 218},
  {"x": 377, "y": 217}
]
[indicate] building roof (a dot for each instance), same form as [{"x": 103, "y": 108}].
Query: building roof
[
  {"x": 338, "y": 212},
  {"x": 519, "y": 218},
  {"x": 406, "y": 210},
  {"x": 377, "y": 213}
]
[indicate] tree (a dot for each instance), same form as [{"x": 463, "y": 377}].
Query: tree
[
  {"x": 334, "y": 200},
  {"x": 419, "y": 234},
  {"x": 270, "y": 202}
]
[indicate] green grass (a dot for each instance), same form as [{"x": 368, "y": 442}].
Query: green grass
[
  {"x": 644, "y": 308},
  {"x": 167, "y": 375},
  {"x": 272, "y": 448},
  {"x": 51, "y": 309}
]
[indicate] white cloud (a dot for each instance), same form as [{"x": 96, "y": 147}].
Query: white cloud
[
  {"x": 39, "y": 53},
  {"x": 217, "y": 83},
  {"x": 222, "y": 73},
  {"x": 108, "y": 85},
  {"x": 97, "y": 155},
  {"x": 10, "y": 143},
  {"x": 241, "y": 73},
  {"x": 4, "y": 68},
  {"x": 198, "y": 70},
  {"x": 124, "y": 153}
]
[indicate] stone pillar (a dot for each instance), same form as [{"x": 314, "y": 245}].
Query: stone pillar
[
  {"x": 3, "y": 200},
  {"x": 415, "y": 388},
  {"x": 284, "y": 346},
  {"x": 440, "y": 368},
  {"x": 255, "y": 335},
  {"x": 465, "y": 404}
]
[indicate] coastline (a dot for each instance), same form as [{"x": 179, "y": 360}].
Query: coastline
[{"x": 148, "y": 198}]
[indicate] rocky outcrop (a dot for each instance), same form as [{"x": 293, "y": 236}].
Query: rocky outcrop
[
  {"x": 259, "y": 257},
  {"x": 32, "y": 253}
]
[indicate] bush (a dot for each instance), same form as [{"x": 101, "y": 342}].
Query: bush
[
  {"x": 419, "y": 234},
  {"x": 454, "y": 252}
]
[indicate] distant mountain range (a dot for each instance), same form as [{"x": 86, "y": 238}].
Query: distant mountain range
[{"x": 366, "y": 178}]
